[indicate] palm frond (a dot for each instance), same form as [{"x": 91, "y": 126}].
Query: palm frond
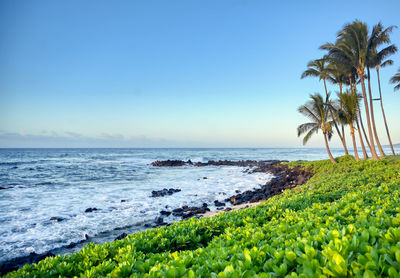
[
  {"x": 303, "y": 128},
  {"x": 386, "y": 63},
  {"x": 310, "y": 133},
  {"x": 396, "y": 80}
]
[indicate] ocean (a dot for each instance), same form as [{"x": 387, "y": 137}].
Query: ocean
[{"x": 41, "y": 185}]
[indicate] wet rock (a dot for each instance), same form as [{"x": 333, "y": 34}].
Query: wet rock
[
  {"x": 91, "y": 209},
  {"x": 166, "y": 213},
  {"x": 177, "y": 210},
  {"x": 218, "y": 203},
  {"x": 73, "y": 244},
  {"x": 164, "y": 192},
  {"x": 121, "y": 236},
  {"x": 168, "y": 163},
  {"x": 187, "y": 212},
  {"x": 159, "y": 220},
  {"x": 284, "y": 178},
  {"x": 58, "y": 219}
]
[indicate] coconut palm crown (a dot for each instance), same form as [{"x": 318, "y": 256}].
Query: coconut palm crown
[
  {"x": 317, "y": 110},
  {"x": 318, "y": 68}
]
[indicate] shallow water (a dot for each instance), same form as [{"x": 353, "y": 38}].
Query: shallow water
[{"x": 45, "y": 183}]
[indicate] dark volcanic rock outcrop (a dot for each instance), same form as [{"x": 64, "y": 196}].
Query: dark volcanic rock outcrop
[
  {"x": 121, "y": 236},
  {"x": 164, "y": 192},
  {"x": 91, "y": 209},
  {"x": 187, "y": 212},
  {"x": 284, "y": 178},
  {"x": 170, "y": 163},
  {"x": 55, "y": 218}
]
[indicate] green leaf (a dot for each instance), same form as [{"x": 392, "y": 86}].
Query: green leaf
[
  {"x": 291, "y": 256},
  {"x": 247, "y": 255}
]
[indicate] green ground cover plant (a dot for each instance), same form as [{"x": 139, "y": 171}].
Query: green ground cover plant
[{"x": 345, "y": 222}]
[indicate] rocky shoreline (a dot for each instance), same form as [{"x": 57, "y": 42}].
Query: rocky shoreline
[{"x": 283, "y": 178}]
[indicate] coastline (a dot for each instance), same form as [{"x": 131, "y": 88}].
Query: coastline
[{"x": 283, "y": 178}]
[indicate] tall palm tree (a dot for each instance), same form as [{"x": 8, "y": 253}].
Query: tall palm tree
[
  {"x": 378, "y": 36},
  {"x": 323, "y": 70},
  {"x": 396, "y": 80},
  {"x": 317, "y": 68},
  {"x": 381, "y": 64},
  {"x": 318, "y": 112},
  {"x": 351, "y": 48},
  {"x": 348, "y": 113},
  {"x": 377, "y": 58}
]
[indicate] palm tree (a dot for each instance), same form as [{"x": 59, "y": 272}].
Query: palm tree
[
  {"x": 377, "y": 58},
  {"x": 396, "y": 80},
  {"x": 348, "y": 113},
  {"x": 318, "y": 112},
  {"x": 317, "y": 68},
  {"x": 378, "y": 36},
  {"x": 379, "y": 65},
  {"x": 351, "y": 48}
]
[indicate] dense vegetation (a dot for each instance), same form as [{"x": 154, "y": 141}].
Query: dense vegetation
[
  {"x": 349, "y": 61},
  {"x": 344, "y": 222}
]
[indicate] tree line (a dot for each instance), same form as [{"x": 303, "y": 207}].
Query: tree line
[{"x": 349, "y": 64}]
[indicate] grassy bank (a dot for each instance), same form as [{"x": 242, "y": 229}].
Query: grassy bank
[{"x": 344, "y": 222}]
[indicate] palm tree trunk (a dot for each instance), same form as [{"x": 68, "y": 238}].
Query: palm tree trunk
[
  {"x": 328, "y": 150},
  {"x": 371, "y": 104},
  {"x": 344, "y": 141},
  {"x": 363, "y": 129},
  {"x": 383, "y": 111},
  {"x": 371, "y": 138},
  {"x": 354, "y": 143},
  {"x": 343, "y": 134},
  {"x": 341, "y": 137},
  {"x": 362, "y": 141},
  {"x": 326, "y": 91},
  {"x": 353, "y": 87}
]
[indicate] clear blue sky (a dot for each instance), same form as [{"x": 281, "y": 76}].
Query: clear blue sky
[{"x": 170, "y": 73}]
